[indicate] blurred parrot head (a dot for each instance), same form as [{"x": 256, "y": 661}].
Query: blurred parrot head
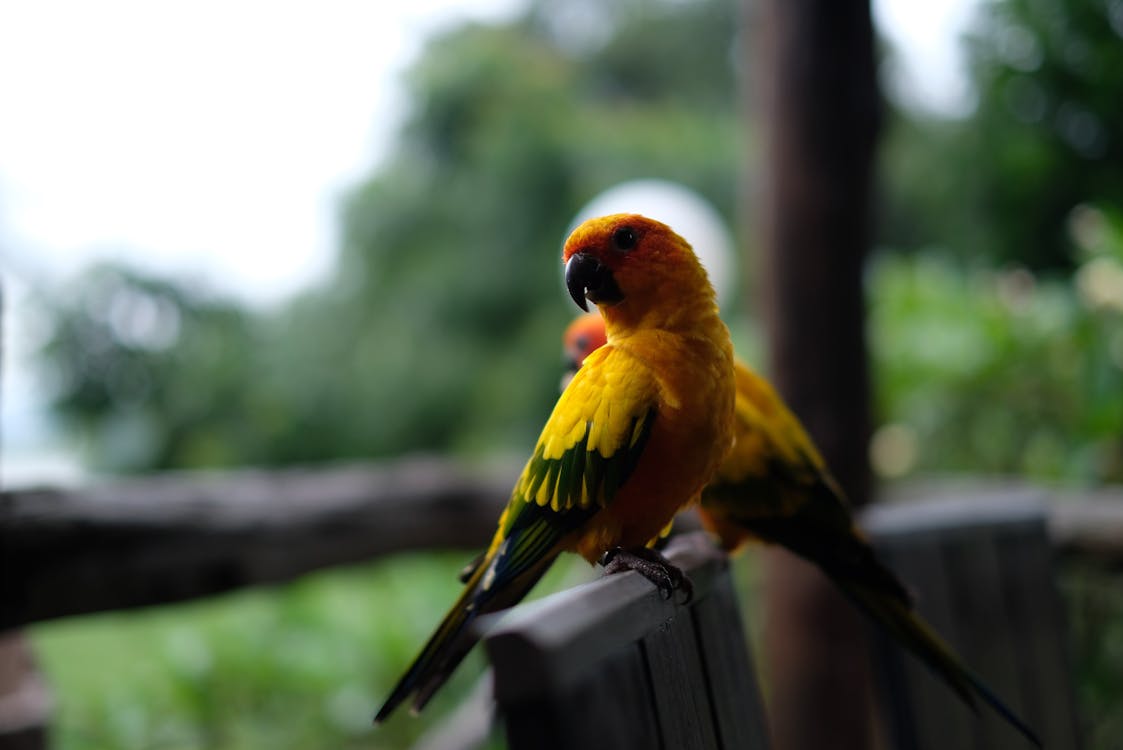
[
  {"x": 583, "y": 337},
  {"x": 633, "y": 268}
]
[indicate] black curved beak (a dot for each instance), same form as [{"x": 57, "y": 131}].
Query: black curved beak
[{"x": 587, "y": 279}]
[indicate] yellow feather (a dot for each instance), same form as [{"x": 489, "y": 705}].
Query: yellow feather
[{"x": 543, "y": 495}]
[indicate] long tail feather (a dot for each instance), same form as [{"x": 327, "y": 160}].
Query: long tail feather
[
  {"x": 454, "y": 638},
  {"x": 897, "y": 616},
  {"x": 435, "y": 651},
  {"x": 847, "y": 559},
  {"x": 915, "y": 634}
]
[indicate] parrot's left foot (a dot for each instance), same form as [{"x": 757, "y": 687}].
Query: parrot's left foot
[{"x": 651, "y": 565}]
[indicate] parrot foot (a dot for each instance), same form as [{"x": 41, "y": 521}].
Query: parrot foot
[{"x": 651, "y": 565}]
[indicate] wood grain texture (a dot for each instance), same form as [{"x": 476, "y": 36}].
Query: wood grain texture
[
  {"x": 982, "y": 573},
  {"x": 734, "y": 694},
  {"x": 612, "y": 664},
  {"x": 682, "y": 701},
  {"x": 819, "y": 113}
]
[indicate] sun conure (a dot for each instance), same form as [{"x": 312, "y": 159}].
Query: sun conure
[
  {"x": 633, "y": 438},
  {"x": 773, "y": 486}
]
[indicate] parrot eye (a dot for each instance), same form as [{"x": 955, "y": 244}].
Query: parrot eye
[{"x": 624, "y": 238}]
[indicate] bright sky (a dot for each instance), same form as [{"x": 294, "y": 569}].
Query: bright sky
[
  {"x": 215, "y": 137},
  {"x": 930, "y": 73},
  {"x": 211, "y": 134}
]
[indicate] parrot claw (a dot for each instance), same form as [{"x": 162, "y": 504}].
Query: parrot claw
[{"x": 651, "y": 565}]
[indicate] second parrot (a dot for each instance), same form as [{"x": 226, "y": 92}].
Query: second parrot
[{"x": 774, "y": 487}]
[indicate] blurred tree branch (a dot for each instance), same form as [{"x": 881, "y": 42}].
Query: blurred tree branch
[{"x": 174, "y": 537}]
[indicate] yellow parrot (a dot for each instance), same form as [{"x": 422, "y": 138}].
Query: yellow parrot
[
  {"x": 633, "y": 438},
  {"x": 774, "y": 487}
]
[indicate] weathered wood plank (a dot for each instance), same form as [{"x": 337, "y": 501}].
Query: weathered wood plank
[
  {"x": 982, "y": 571},
  {"x": 682, "y": 701},
  {"x": 1089, "y": 525},
  {"x": 1086, "y": 523},
  {"x": 985, "y": 622},
  {"x": 928, "y": 507},
  {"x": 734, "y": 695},
  {"x": 935, "y": 717},
  {"x": 612, "y": 664},
  {"x": 610, "y": 707},
  {"x": 137, "y": 542},
  {"x": 1040, "y": 629},
  {"x": 25, "y": 702},
  {"x": 554, "y": 641},
  {"x": 621, "y": 705}
]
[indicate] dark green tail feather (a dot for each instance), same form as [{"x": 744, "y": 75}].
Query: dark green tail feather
[
  {"x": 829, "y": 541},
  {"x": 454, "y": 638},
  {"x": 910, "y": 630},
  {"x": 436, "y": 651}
]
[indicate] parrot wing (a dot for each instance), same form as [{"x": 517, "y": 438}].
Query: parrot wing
[
  {"x": 586, "y": 452},
  {"x": 774, "y": 485},
  {"x": 770, "y": 441}
]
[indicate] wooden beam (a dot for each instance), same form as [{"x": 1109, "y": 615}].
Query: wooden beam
[
  {"x": 819, "y": 111},
  {"x": 174, "y": 537},
  {"x": 1089, "y": 527},
  {"x": 1083, "y": 525}
]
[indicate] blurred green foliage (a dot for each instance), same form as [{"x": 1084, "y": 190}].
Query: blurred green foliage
[
  {"x": 1003, "y": 371},
  {"x": 155, "y": 373},
  {"x": 298, "y": 667},
  {"x": 1045, "y": 135},
  {"x": 1095, "y": 621},
  {"x": 440, "y": 329}
]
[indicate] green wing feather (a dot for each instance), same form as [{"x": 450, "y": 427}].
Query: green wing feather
[{"x": 589, "y": 446}]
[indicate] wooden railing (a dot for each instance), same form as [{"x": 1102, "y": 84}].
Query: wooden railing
[{"x": 1082, "y": 524}]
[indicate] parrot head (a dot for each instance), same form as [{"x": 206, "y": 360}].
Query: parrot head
[
  {"x": 630, "y": 261},
  {"x": 583, "y": 337}
]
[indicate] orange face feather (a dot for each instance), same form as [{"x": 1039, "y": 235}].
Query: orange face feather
[{"x": 639, "y": 273}]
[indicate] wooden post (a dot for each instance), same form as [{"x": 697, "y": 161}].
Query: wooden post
[
  {"x": 817, "y": 102},
  {"x": 25, "y": 701}
]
